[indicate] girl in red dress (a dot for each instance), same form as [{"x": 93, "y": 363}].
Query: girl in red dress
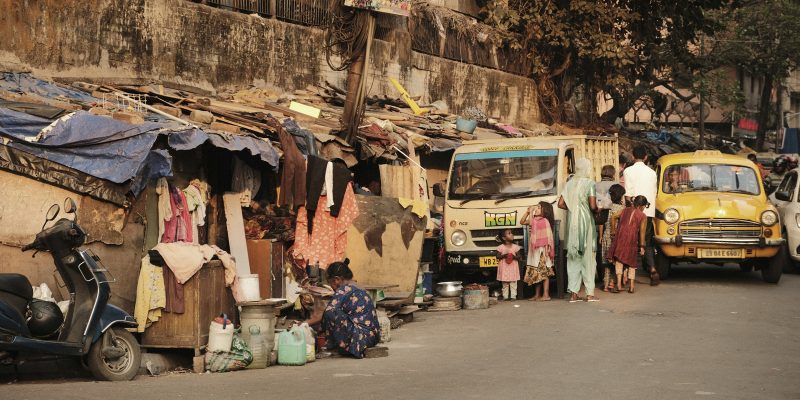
[{"x": 630, "y": 227}]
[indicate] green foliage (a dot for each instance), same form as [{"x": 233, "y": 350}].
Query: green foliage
[{"x": 622, "y": 47}]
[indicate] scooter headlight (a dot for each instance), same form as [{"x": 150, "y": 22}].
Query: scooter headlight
[
  {"x": 671, "y": 216},
  {"x": 458, "y": 238},
  {"x": 769, "y": 218}
]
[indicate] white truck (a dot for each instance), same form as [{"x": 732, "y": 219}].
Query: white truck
[{"x": 491, "y": 184}]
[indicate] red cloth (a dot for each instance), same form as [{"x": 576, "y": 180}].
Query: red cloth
[
  {"x": 179, "y": 227},
  {"x": 542, "y": 235},
  {"x": 328, "y": 241},
  {"x": 625, "y": 247}
]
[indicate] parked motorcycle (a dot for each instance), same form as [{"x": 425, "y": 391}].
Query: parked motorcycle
[{"x": 92, "y": 329}]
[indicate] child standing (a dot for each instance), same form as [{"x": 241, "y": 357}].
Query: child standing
[
  {"x": 630, "y": 227},
  {"x": 616, "y": 194},
  {"x": 541, "y": 249},
  {"x": 508, "y": 254}
]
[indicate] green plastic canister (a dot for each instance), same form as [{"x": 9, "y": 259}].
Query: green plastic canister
[{"x": 292, "y": 347}]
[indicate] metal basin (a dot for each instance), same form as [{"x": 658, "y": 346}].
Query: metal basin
[{"x": 449, "y": 289}]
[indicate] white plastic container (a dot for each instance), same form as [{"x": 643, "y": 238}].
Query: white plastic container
[
  {"x": 220, "y": 336},
  {"x": 248, "y": 284}
]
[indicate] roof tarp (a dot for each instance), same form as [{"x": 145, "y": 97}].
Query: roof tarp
[{"x": 96, "y": 145}]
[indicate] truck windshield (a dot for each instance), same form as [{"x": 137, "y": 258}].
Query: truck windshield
[
  {"x": 500, "y": 174},
  {"x": 710, "y": 177}
]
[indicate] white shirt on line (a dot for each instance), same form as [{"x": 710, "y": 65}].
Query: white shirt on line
[{"x": 641, "y": 180}]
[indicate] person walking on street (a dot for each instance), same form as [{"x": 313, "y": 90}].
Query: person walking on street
[
  {"x": 641, "y": 180},
  {"x": 580, "y": 200}
]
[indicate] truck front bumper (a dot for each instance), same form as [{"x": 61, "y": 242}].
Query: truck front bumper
[{"x": 468, "y": 260}]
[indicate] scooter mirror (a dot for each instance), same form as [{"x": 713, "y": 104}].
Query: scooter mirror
[
  {"x": 52, "y": 213},
  {"x": 69, "y": 206}
]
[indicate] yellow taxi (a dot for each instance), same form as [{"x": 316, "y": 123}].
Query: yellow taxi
[{"x": 711, "y": 208}]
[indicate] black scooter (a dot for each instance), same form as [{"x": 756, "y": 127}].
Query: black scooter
[{"x": 92, "y": 328}]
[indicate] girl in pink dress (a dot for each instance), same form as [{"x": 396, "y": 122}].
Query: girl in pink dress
[{"x": 508, "y": 255}]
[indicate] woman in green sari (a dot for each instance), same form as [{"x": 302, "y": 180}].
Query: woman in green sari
[{"x": 580, "y": 200}]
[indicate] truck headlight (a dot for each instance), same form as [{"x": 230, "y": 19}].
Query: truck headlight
[
  {"x": 458, "y": 238},
  {"x": 769, "y": 218},
  {"x": 671, "y": 216}
]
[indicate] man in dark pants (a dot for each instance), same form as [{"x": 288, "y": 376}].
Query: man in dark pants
[{"x": 641, "y": 180}]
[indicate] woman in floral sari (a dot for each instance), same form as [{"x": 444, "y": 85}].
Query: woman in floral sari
[{"x": 349, "y": 321}]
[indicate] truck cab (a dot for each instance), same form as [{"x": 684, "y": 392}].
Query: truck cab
[{"x": 491, "y": 184}]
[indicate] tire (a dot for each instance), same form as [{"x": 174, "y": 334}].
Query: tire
[
  {"x": 663, "y": 266},
  {"x": 773, "y": 269},
  {"x": 123, "y": 368}
]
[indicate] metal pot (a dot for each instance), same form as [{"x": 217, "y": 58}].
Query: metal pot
[{"x": 449, "y": 289}]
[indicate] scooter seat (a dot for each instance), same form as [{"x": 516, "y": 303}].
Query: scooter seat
[{"x": 16, "y": 284}]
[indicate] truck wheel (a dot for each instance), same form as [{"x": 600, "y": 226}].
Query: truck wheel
[
  {"x": 773, "y": 268},
  {"x": 116, "y": 356},
  {"x": 663, "y": 265}
]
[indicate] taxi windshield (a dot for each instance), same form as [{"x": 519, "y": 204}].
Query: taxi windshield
[
  {"x": 503, "y": 174},
  {"x": 710, "y": 177}
]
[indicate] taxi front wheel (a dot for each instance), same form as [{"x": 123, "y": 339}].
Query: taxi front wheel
[{"x": 663, "y": 265}]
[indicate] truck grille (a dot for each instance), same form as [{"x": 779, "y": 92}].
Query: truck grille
[
  {"x": 486, "y": 237},
  {"x": 720, "y": 228}
]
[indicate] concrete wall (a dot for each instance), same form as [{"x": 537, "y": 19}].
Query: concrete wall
[
  {"x": 182, "y": 42},
  {"x": 23, "y": 207}
]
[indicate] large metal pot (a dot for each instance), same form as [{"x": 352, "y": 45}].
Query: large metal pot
[{"x": 449, "y": 289}]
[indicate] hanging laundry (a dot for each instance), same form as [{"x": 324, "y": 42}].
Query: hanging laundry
[
  {"x": 185, "y": 259},
  {"x": 293, "y": 176},
  {"x": 164, "y": 207},
  {"x": 245, "y": 180},
  {"x": 327, "y": 243},
  {"x": 150, "y": 295},
  {"x": 178, "y": 228},
  {"x": 196, "y": 198},
  {"x": 316, "y": 171}
]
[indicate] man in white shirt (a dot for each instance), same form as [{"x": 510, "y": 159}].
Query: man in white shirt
[{"x": 641, "y": 180}]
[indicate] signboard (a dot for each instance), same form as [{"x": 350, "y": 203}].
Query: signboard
[{"x": 396, "y": 7}]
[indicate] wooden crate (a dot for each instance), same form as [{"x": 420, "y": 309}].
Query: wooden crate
[{"x": 205, "y": 297}]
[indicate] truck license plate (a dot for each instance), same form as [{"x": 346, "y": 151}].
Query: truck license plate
[
  {"x": 721, "y": 253},
  {"x": 487, "y": 262}
]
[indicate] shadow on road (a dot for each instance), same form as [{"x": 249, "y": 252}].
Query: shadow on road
[{"x": 708, "y": 273}]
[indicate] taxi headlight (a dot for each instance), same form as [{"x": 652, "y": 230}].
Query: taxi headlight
[
  {"x": 458, "y": 238},
  {"x": 769, "y": 218},
  {"x": 671, "y": 216}
]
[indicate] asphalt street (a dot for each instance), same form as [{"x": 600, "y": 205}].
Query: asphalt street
[{"x": 708, "y": 332}]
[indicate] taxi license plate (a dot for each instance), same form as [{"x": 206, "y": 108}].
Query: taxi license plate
[
  {"x": 487, "y": 262},
  {"x": 720, "y": 253}
]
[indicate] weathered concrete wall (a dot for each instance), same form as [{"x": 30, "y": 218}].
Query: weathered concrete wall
[
  {"x": 186, "y": 43},
  {"x": 23, "y": 207}
]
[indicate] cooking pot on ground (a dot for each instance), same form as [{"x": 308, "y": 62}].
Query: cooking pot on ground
[{"x": 449, "y": 289}]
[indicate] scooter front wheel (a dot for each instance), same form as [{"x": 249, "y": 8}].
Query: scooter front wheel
[{"x": 116, "y": 356}]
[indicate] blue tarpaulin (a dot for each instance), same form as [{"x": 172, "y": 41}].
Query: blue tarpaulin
[
  {"x": 191, "y": 137},
  {"x": 113, "y": 150},
  {"x": 25, "y": 83},
  {"x": 96, "y": 145},
  {"x": 791, "y": 144}
]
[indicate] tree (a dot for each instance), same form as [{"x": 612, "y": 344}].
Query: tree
[
  {"x": 762, "y": 37},
  {"x": 624, "y": 48}
]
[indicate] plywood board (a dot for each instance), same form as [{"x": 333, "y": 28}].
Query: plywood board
[
  {"x": 236, "y": 238},
  {"x": 395, "y": 264}
]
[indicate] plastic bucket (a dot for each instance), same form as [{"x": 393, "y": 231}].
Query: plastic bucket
[
  {"x": 466, "y": 125},
  {"x": 261, "y": 316},
  {"x": 220, "y": 336},
  {"x": 248, "y": 284}
]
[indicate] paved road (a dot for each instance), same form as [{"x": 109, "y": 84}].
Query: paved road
[{"x": 706, "y": 333}]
